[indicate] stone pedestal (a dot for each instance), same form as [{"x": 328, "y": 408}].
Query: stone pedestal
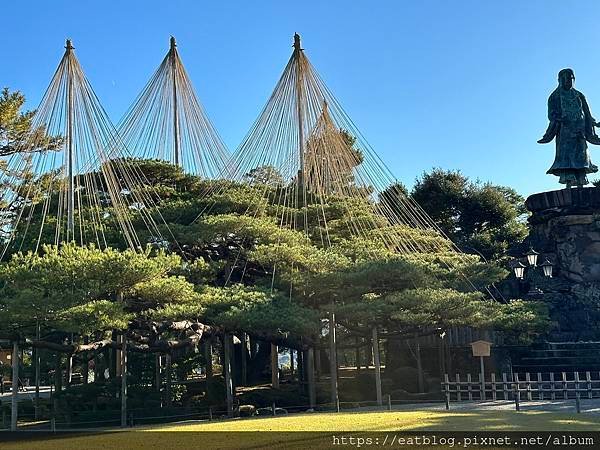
[{"x": 565, "y": 227}]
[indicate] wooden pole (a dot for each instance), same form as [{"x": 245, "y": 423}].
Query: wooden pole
[
  {"x": 208, "y": 357},
  {"x": 70, "y": 364},
  {"x": 232, "y": 363},
  {"x": 357, "y": 353},
  {"x": 369, "y": 354},
  {"x": 58, "y": 373},
  {"x": 124, "y": 383},
  {"x": 375, "y": 341},
  {"x": 157, "y": 367},
  {"x": 86, "y": 363},
  {"x": 168, "y": 380},
  {"x": 244, "y": 362},
  {"x": 177, "y": 155},
  {"x": 310, "y": 369},
  {"x": 318, "y": 363},
  {"x": 37, "y": 360},
  {"x": 333, "y": 357},
  {"x": 420, "y": 378},
  {"x": 227, "y": 370},
  {"x": 300, "y": 366},
  {"x": 14, "y": 404},
  {"x": 299, "y": 104},
  {"x": 274, "y": 366},
  {"x": 97, "y": 369},
  {"x": 70, "y": 153},
  {"x": 482, "y": 377}
]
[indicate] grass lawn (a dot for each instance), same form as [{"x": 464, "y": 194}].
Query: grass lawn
[{"x": 219, "y": 435}]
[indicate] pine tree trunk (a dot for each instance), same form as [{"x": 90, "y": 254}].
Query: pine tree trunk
[
  {"x": 124, "y": 383},
  {"x": 118, "y": 357},
  {"x": 169, "y": 381},
  {"x": 369, "y": 355},
  {"x": 157, "y": 369},
  {"x": 357, "y": 353},
  {"x": 14, "y": 404},
  {"x": 244, "y": 361},
  {"x": 333, "y": 359},
  {"x": 375, "y": 341},
  {"x": 227, "y": 373},
  {"x": 86, "y": 363},
  {"x": 301, "y": 370},
  {"x": 317, "y": 363},
  {"x": 310, "y": 369},
  {"x": 274, "y": 367},
  {"x": 58, "y": 374},
  {"x": 37, "y": 361},
  {"x": 420, "y": 377}
]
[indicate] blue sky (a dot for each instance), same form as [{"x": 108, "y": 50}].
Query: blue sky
[{"x": 458, "y": 85}]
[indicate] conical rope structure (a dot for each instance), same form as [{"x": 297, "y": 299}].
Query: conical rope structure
[
  {"x": 168, "y": 122},
  {"x": 70, "y": 178},
  {"x": 307, "y": 158}
]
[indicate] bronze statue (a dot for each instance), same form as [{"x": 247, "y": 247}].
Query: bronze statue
[{"x": 572, "y": 124}]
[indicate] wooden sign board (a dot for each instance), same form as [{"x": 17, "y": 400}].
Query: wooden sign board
[{"x": 481, "y": 348}]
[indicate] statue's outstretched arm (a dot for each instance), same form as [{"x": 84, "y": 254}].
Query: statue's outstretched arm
[{"x": 550, "y": 133}]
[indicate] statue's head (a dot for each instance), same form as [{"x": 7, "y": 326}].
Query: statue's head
[{"x": 566, "y": 77}]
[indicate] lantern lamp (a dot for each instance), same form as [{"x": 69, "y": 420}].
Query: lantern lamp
[
  {"x": 519, "y": 269},
  {"x": 532, "y": 257},
  {"x": 547, "y": 267}
]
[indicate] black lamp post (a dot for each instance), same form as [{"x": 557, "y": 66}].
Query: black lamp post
[{"x": 521, "y": 270}]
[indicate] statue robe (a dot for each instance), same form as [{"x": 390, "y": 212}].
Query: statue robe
[{"x": 572, "y": 122}]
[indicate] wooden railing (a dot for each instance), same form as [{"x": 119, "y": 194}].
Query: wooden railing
[{"x": 539, "y": 386}]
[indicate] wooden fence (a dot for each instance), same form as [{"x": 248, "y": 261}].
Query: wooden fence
[{"x": 539, "y": 386}]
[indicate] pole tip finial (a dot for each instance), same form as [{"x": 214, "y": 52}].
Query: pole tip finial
[
  {"x": 173, "y": 42},
  {"x": 297, "y": 41},
  {"x": 69, "y": 45}
]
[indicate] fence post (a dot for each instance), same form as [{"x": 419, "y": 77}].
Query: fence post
[
  {"x": 482, "y": 380},
  {"x": 447, "y": 390},
  {"x": 53, "y": 424},
  {"x": 458, "y": 388},
  {"x": 576, "y": 384},
  {"x": 553, "y": 386},
  {"x": 273, "y": 408},
  {"x": 210, "y": 416},
  {"x": 564, "y": 384},
  {"x": 577, "y": 403},
  {"x": 389, "y": 402},
  {"x": 504, "y": 386},
  {"x": 540, "y": 386},
  {"x": 588, "y": 379},
  {"x": 469, "y": 381},
  {"x": 517, "y": 397},
  {"x": 493, "y": 380}
]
